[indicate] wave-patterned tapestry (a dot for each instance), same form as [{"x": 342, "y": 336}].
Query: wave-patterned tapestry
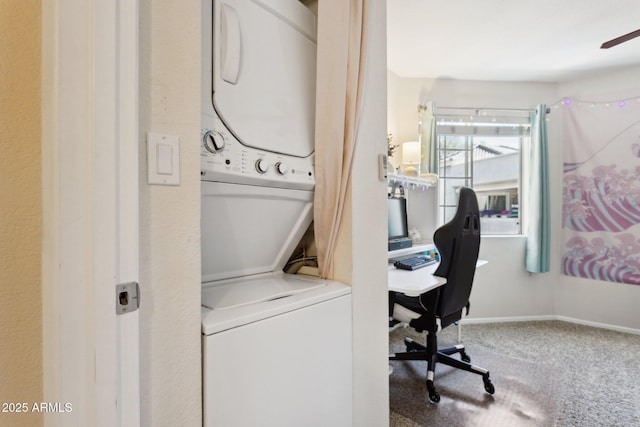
[{"x": 601, "y": 190}]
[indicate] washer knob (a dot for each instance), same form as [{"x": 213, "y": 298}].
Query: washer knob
[
  {"x": 261, "y": 166},
  {"x": 281, "y": 168},
  {"x": 213, "y": 141}
]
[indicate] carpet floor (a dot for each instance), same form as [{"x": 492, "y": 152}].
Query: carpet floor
[{"x": 547, "y": 373}]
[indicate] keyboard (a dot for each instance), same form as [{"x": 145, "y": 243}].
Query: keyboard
[{"x": 414, "y": 262}]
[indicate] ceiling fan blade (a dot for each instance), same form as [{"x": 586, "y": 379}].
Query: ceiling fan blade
[{"x": 621, "y": 39}]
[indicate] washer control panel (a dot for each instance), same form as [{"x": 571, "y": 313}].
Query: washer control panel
[{"x": 224, "y": 159}]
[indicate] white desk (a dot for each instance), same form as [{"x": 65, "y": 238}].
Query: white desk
[{"x": 416, "y": 282}]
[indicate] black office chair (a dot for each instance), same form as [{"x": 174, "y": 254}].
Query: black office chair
[{"x": 458, "y": 243}]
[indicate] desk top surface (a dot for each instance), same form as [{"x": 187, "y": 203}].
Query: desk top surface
[{"x": 414, "y": 283}]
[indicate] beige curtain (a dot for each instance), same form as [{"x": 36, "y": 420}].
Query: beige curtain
[{"x": 340, "y": 75}]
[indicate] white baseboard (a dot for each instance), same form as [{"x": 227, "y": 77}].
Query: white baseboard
[
  {"x": 468, "y": 321},
  {"x": 599, "y": 325}
]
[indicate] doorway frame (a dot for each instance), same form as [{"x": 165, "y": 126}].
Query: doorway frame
[{"x": 90, "y": 211}]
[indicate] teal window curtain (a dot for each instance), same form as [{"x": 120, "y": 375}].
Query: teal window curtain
[
  {"x": 427, "y": 138},
  {"x": 539, "y": 230}
]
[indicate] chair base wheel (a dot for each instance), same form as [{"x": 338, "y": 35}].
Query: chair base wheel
[
  {"x": 433, "y": 394},
  {"x": 488, "y": 385}
]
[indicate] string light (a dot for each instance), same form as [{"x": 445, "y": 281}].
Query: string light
[{"x": 567, "y": 102}]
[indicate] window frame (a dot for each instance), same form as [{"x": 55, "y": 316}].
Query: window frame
[{"x": 471, "y": 127}]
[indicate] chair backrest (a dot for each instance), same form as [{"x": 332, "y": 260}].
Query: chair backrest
[{"x": 458, "y": 243}]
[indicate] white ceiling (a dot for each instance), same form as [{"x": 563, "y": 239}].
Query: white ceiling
[{"x": 509, "y": 40}]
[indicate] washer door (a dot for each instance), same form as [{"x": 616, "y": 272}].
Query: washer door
[{"x": 264, "y": 73}]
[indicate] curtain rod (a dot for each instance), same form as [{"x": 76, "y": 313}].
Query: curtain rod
[
  {"x": 485, "y": 109},
  {"x": 422, "y": 107}
]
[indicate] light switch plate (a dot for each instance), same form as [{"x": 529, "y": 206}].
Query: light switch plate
[{"x": 163, "y": 159}]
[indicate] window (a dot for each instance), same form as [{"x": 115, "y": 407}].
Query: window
[{"x": 482, "y": 150}]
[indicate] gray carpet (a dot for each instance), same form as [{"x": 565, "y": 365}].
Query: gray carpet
[{"x": 547, "y": 373}]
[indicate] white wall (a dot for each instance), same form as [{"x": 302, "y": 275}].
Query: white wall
[
  {"x": 503, "y": 289},
  {"x": 591, "y": 300},
  {"x": 170, "y": 217},
  {"x": 369, "y": 249}
]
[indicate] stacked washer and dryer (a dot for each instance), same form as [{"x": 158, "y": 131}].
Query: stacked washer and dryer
[{"x": 276, "y": 347}]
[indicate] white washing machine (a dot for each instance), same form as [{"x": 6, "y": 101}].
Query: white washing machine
[{"x": 276, "y": 347}]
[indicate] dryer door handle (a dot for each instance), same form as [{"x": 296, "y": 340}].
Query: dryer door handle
[{"x": 230, "y": 44}]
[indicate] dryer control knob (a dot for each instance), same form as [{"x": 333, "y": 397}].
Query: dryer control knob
[
  {"x": 262, "y": 166},
  {"x": 281, "y": 168},
  {"x": 213, "y": 141}
]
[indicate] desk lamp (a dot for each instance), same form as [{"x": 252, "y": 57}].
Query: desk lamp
[{"x": 411, "y": 157}]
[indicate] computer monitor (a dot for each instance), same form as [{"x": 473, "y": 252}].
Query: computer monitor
[{"x": 398, "y": 230}]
